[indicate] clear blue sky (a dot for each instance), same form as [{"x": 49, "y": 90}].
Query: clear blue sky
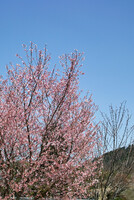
[{"x": 103, "y": 29}]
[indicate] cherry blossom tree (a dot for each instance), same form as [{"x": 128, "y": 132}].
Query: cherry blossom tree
[{"x": 47, "y": 136}]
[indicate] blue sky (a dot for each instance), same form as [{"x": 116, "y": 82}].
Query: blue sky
[{"x": 103, "y": 29}]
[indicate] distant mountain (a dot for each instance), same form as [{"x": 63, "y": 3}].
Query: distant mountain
[{"x": 119, "y": 156}]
